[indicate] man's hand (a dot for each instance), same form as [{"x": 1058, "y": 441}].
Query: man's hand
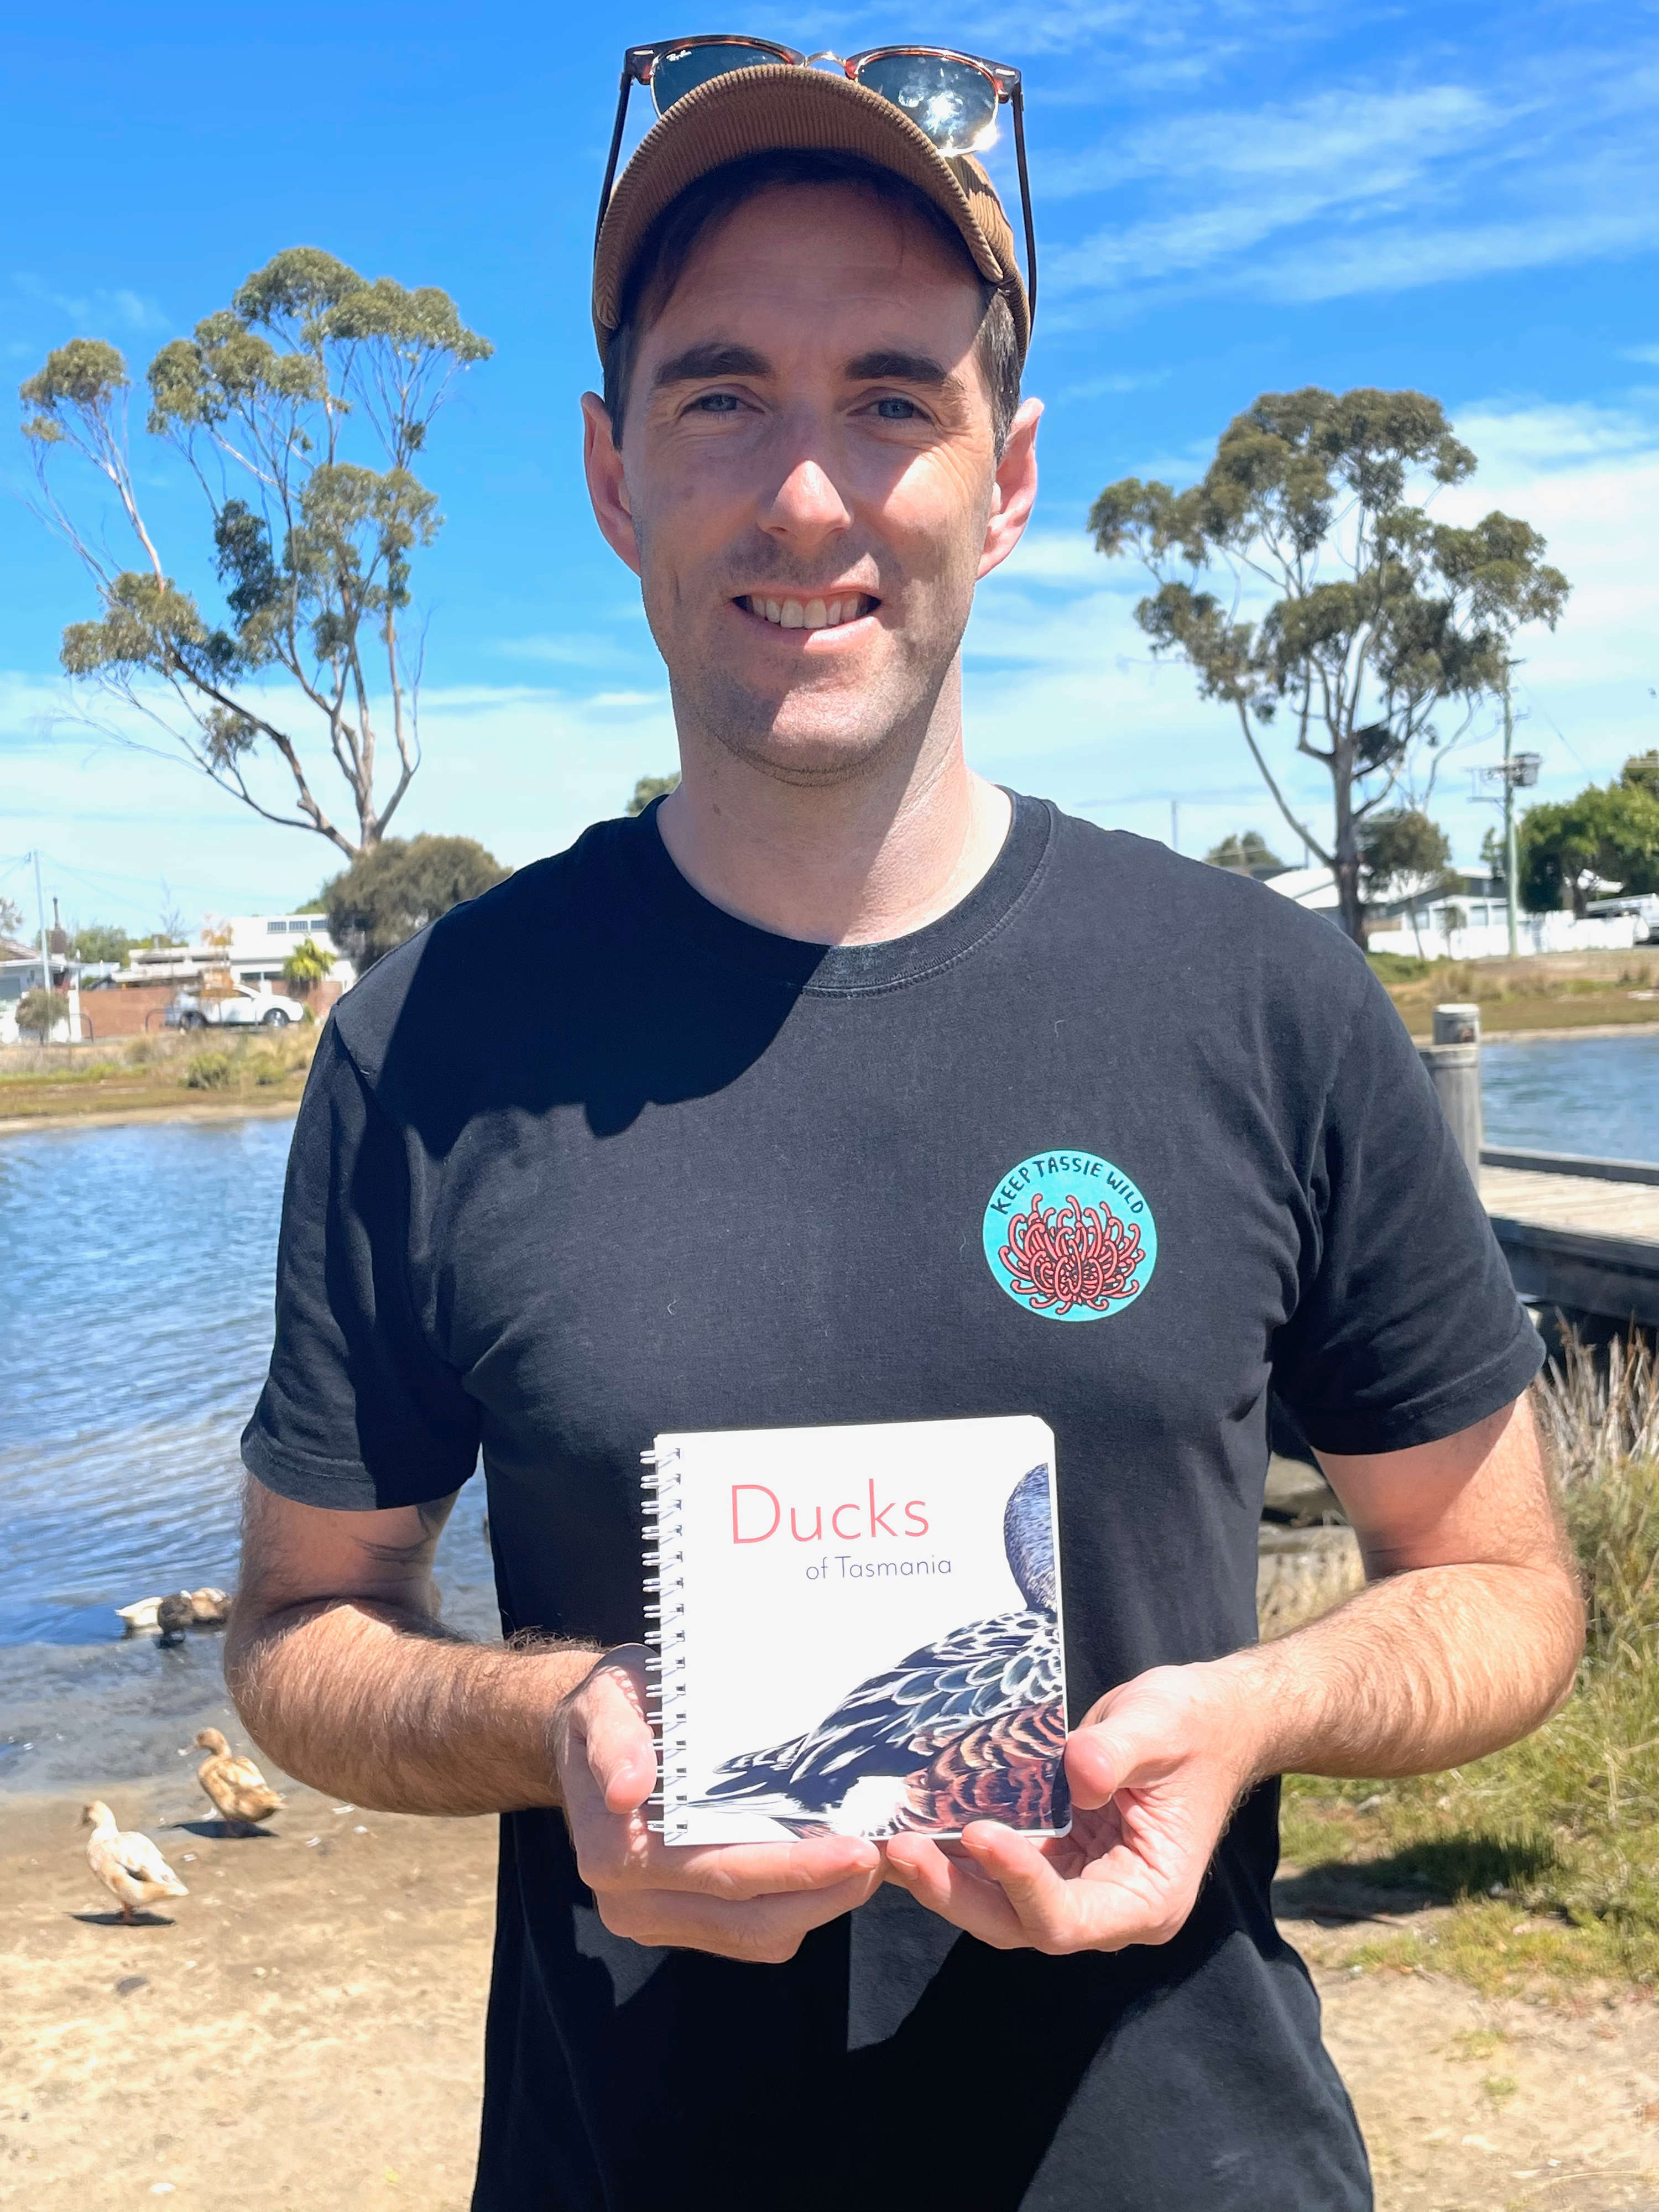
[
  {"x": 750, "y": 1901},
  {"x": 1465, "y": 1638},
  {"x": 1154, "y": 1772}
]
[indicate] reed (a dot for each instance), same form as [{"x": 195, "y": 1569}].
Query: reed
[{"x": 1547, "y": 1852}]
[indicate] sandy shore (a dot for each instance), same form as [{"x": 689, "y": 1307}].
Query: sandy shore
[
  {"x": 304, "y": 2029},
  {"x": 170, "y": 1109}
]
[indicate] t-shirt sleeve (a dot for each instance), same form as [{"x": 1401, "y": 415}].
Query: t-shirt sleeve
[
  {"x": 1407, "y": 1328},
  {"x": 358, "y": 1410}
]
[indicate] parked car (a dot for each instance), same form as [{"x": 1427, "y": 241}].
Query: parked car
[{"x": 242, "y": 1008}]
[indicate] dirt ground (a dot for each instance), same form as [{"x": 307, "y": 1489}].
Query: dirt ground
[{"x": 303, "y": 2029}]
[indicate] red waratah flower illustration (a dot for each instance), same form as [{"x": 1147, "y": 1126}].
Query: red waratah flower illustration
[{"x": 1071, "y": 1255}]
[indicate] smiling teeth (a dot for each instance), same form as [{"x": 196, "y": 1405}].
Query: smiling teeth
[{"x": 810, "y": 614}]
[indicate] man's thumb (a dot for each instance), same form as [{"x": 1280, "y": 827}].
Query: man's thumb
[{"x": 1104, "y": 1756}]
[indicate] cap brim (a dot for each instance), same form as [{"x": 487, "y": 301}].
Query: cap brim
[{"x": 772, "y": 109}]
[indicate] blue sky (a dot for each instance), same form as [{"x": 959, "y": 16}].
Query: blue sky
[{"x": 1230, "y": 197}]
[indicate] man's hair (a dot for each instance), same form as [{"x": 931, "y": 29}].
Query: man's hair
[{"x": 708, "y": 202}]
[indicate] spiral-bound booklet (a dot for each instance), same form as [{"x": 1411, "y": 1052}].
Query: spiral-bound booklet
[{"x": 855, "y": 1630}]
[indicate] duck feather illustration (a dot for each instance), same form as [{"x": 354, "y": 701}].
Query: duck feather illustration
[{"x": 971, "y": 1725}]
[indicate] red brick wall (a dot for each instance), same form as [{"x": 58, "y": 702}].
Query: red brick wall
[
  {"x": 127, "y": 1011},
  {"x": 135, "y": 1009}
]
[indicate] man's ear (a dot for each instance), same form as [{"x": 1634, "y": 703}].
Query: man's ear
[
  {"x": 607, "y": 486},
  {"x": 1015, "y": 490}
]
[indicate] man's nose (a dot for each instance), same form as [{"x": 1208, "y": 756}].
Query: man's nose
[{"x": 806, "y": 509}]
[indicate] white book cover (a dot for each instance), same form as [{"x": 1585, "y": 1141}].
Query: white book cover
[{"x": 856, "y": 1631}]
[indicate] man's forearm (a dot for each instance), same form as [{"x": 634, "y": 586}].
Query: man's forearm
[
  {"x": 1419, "y": 1672},
  {"x": 394, "y": 1711}
]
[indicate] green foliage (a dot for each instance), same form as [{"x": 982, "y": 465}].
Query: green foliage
[
  {"x": 1401, "y": 842},
  {"x": 1245, "y": 850},
  {"x": 1569, "y": 848},
  {"x": 1376, "y": 617},
  {"x": 99, "y": 941},
  {"x": 1641, "y": 773},
  {"x": 11, "y": 917},
  {"x": 1492, "y": 855},
  {"x": 38, "y": 1012},
  {"x": 652, "y": 787},
  {"x": 1397, "y": 967},
  {"x": 1567, "y": 1822},
  {"x": 315, "y": 556},
  {"x": 308, "y": 965},
  {"x": 210, "y": 1071},
  {"x": 400, "y": 886}
]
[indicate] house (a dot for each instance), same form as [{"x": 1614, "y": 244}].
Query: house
[
  {"x": 126, "y": 1001},
  {"x": 1428, "y": 922}
]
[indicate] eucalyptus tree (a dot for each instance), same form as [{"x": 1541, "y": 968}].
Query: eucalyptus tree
[
  {"x": 271, "y": 406},
  {"x": 1349, "y": 613}
]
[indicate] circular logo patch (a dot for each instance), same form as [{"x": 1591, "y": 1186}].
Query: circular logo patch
[{"x": 1068, "y": 1235}]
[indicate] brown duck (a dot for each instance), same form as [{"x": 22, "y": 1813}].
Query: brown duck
[{"x": 239, "y": 1792}]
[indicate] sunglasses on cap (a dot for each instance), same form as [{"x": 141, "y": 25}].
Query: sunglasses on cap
[{"x": 952, "y": 98}]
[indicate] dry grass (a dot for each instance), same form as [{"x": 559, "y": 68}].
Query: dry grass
[
  {"x": 1563, "y": 990},
  {"x": 156, "y": 1073},
  {"x": 1548, "y": 1852}
]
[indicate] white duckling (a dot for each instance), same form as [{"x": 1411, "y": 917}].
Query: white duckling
[
  {"x": 239, "y": 1792},
  {"x": 211, "y": 1607},
  {"x": 140, "y": 1615},
  {"x": 128, "y": 1864}
]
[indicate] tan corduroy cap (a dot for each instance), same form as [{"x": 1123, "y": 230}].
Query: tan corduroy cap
[{"x": 767, "y": 109}]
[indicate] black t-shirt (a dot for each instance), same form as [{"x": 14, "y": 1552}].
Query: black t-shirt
[{"x": 591, "y": 1159}]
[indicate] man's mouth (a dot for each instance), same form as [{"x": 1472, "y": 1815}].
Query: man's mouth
[{"x": 809, "y": 614}]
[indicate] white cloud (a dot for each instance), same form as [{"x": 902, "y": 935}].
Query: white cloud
[
  {"x": 1063, "y": 697},
  {"x": 119, "y": 306},
  {"x": 1368, "y": 189}
]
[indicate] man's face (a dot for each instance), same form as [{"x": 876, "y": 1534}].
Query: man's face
[{"x": 808, "y": 470}]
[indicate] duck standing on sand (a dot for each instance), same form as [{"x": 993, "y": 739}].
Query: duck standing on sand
[
  {"x": 128, "y": 1864},
  {"x": 239, "y": 1792}
]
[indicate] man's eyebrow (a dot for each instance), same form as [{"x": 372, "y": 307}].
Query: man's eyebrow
[
  {"x": 887, "y": 363},
  {"x": 714, "y": 357}
]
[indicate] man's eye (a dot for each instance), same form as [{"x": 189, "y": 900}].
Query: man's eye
[
  {"x": 716, "y": 403},
  {"x": 895, "y": 410}
]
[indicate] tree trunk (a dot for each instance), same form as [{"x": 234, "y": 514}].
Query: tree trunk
[{"x": 1350, "y": 907}]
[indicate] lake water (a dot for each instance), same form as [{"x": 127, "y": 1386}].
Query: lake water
[
  {"x": 1600, "y": 1095},
  {"x": 136, "y": 1272},
  {"x": 136, "y": 1268}
]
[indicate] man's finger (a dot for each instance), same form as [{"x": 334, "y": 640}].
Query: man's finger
[
  {"x": 622, "y": 1752},
  {"x": 957, "y": 1891},
  {"x": 1043, "y": 1904},
  {"x": 739, "y": 1872},
  {"x": 766, "y": 1929},
  {"x": 1105, "y": 1756}
]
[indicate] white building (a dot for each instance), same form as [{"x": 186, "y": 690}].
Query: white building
[
  {"x": 253, "y": 947},
  {"x": 1471, "y": 923}
]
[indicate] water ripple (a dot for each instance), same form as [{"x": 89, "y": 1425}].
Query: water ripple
[{"x": 135, "y": 1277}]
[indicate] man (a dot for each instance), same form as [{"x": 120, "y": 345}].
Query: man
[{"x": 697, "y": 1126}]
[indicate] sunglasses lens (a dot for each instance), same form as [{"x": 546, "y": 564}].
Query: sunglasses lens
[
  {"x": 683, "y": 69},
  {"x": 951, "y": 102}
]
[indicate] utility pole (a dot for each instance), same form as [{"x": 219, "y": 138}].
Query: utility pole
[
  {"x": 1511, "y": 888},
  {"x": 40, "y": 917},
  {"x": 1175, "y": 825},
  {"x": 1516, "y": 772}
]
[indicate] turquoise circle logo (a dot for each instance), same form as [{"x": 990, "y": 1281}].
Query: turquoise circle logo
[{"x": 1068, "y": 1235}]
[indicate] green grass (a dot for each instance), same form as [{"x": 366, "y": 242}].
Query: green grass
[
  {"x": 1546, "y": 1853},
  {"x": 146, "y": 1073}
]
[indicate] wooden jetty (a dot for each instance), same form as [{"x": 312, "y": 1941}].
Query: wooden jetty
[{"x": 1577, "y": 1232}]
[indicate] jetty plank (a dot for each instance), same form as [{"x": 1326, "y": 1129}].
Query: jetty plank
[{"x": 1578, "y": 1240}]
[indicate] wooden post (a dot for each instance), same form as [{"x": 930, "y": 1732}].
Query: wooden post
[{"x": 1454, "y": 1064}]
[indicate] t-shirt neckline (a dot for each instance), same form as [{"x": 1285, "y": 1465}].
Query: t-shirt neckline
[{"x": 846, "y": 970}]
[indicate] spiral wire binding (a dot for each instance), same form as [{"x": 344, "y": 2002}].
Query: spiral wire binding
[{"x": 664, "y": 1530}]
